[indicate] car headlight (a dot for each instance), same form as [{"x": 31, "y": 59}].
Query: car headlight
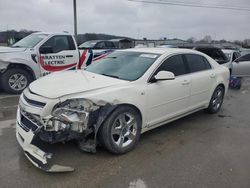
[{"x": 73, "y": 110}]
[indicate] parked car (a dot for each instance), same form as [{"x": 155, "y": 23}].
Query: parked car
[
  {"x": 241, "y": 66},
  {"x": 114, "y": 101},
  {"x": 37, "y": 55},
  {"x": 166, "y": 46},
  {"x": 99, "y": 47},
  {"x": 231, "y": 56},
  {"x": 244, "y": 51},
  {"x": 215, "y": 53}
]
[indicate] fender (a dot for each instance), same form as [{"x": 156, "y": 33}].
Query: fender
[
  {"x": 89, "y": 142},
  {"x": 3, "y": 66},
  {"x": 8, "y": 61}
]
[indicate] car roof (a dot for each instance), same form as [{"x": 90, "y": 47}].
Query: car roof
[
  {"x": 162, "y": 50},
  {"x": 52, "y": 33}
]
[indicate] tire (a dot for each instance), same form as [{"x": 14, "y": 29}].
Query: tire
[
  {"x": 1, "y": 89},
  {"x": 216, "y": 100},
  {"x": 15, "y": 80},
  {"x": 121, "y": 131}
]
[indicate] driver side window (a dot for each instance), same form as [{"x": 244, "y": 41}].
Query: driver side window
[{"x": 57, "y": 44}]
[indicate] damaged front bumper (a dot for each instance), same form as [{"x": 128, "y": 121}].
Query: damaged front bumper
[
  {"x": 25, "y": 136},
  {"x": 53, "y": 122}
]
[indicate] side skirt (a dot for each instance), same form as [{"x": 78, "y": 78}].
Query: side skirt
[{"x": 149, "y": 127}]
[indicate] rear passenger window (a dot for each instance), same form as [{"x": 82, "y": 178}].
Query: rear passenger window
[
  {"x": 174, "y": 64},
  {"x": 197, "y": 63}
]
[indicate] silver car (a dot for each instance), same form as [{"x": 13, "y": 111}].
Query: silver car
[
  {"x": 232, "y": 55},
  {"x": 241, "y": 66}
]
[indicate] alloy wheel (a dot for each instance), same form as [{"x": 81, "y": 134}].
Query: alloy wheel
[
  {"x": 217, "y": 99},
  {"x": 18, "y": 82},
  {"x": 124, "y": 130}
]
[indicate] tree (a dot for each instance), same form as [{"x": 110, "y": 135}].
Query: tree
[
  {"x": 246, "y": 43},
  {"x": 191, "y": 40},
  {"x": 207, "y": 39}
]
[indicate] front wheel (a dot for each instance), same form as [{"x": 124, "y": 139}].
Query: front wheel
[
  {"x": 216, "y": 100},
  {"x": 121, "y": 131},
  {"x": 15, "y": 80}
]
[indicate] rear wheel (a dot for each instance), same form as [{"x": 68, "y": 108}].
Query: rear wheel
[
  {"x": 121, "y": 131},
  {"x": 216, "y": 100},
  {"x": 15, "y": 80}
]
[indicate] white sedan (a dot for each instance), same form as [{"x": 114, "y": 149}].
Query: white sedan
[{"x": 117, "y": 99}]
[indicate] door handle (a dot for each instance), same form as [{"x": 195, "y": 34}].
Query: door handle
[
  {"x": 185, "y": 82},
  {"x": 69, "y": 55},
  {"x": 212, "y": 75}
]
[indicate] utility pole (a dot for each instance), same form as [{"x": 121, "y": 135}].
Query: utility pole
[
  {"x": 75, "y": 18},
  {"x": 7, "y": 35}
]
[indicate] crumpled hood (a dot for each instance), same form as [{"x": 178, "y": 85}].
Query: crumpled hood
[
  {"x": 11, "y": 50},
  {"x": 63, "y": 83}
]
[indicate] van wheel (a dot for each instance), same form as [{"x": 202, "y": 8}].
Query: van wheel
[
  {"x": 216, "y": 100},
  {"x": 15, "y": 80},
  {"x": 121, "y": 131}
]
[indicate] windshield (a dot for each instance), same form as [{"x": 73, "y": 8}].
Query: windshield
[
  {"x": 29, "y": 41},
  {"x": 88, "y": 44},
  {"x": 124, "y": 65}
]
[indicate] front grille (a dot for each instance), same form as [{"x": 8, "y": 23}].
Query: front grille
[
  {"x": 29, "y": 121},
  {"x": 27, "y": 124},
  {"x": 34, "y": 103}
]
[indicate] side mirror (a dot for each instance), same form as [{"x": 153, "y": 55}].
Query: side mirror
[
  {"x": 46, "y": 50},
  {"x": 164, "y": 75}
]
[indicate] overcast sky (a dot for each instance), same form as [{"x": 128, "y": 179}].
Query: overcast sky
[{"x": 126, "y": 18}]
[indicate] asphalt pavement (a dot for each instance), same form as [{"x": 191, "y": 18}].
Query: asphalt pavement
[{"x": 200, "y": 150}]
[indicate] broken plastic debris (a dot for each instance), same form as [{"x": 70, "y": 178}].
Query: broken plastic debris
[{"x": 59, "y": 168}]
